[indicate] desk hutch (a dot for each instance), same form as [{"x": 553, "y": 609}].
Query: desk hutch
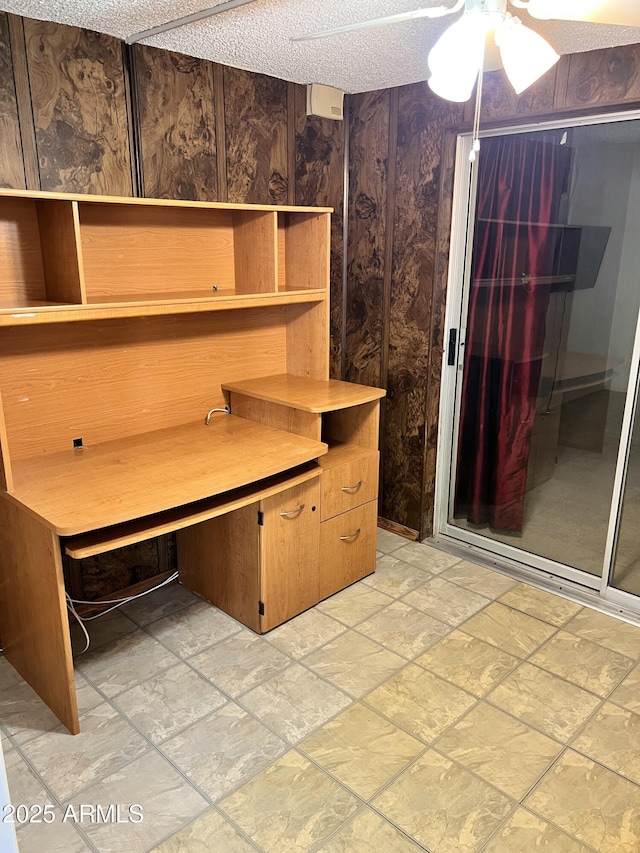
[{"x": 123, "y": 322}]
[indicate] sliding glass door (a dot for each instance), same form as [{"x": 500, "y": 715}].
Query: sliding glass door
[{"x": 542, "y": 319}]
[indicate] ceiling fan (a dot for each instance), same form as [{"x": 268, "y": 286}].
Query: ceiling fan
[{"x": 487, "y": 36}]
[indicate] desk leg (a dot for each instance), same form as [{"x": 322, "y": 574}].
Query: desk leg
[{"x": 33, "y": 613}]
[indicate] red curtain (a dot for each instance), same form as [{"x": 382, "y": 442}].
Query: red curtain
[{"x": 520, "y": 185}]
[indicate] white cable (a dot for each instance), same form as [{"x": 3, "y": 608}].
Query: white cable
[
  {"x": 79, "y": 620},
  {"x": 119, "y": 602}
]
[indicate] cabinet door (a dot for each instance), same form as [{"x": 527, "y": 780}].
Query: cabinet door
[
  {"x": 290, "y": 541},
  {"x": 348, "y": 548}
]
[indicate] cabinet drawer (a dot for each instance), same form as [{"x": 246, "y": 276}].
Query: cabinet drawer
[
  {"x": 349, "y": 478},
  {"x": 347, "y": 548}
]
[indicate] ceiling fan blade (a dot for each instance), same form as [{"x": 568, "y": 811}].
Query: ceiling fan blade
[
  {"x": 432, "y": 12},
  {"x": 624, "y": 13}
]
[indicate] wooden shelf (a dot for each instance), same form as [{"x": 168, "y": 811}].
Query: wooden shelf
[
  {"x": 32, "y": 312},
  {"x": 307, "y": 395}
]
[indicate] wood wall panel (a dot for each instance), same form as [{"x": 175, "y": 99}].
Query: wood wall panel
[
  {"x": 422, "y": 119},
  {"x": 319, "y": 180},
  {"x": 177, "y": 127},
  {"x": 499, "y": 101},
  {"x": 11, "y": 163},
  {"x": 255, "y": 109},
  {"x": 603, "y": 77},
  {"x": 368, "y": 163},
  {"x": 79, "y": 107}
]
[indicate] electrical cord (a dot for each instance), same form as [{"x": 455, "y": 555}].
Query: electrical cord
[{"x": 116, "y": 602}]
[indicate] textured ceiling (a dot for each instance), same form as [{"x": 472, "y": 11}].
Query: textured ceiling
[{"x": 257, "y": 36}]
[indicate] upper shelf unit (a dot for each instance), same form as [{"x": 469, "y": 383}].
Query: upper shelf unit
[{"x": 68, "y": 257}]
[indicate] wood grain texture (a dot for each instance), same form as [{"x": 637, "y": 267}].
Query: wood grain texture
[
  {"x": 345, "y": 560},
  {"x": 369, "y": 139},
  {"x": 319, "y": 179},
  {"x": 602, "y": 77},
  {"x": 119, "y": 569},
  {"x": 11, "y": 163},
  {"x": 79, "y": 107},
  {"x": 499, "y": 101},
  {"x": 33, "y": 612},
  {"x": 255, "y": 109},
  {"x": 176, "y": 114},
  {"x": 23, "y": 100},
  {"x": 422, "y": 118}
]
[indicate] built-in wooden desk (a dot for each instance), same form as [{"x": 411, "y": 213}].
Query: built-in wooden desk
[{"x": 119, "y": 492}]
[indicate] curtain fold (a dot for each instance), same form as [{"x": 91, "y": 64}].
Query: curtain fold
[{"x": 520, "y": 187}]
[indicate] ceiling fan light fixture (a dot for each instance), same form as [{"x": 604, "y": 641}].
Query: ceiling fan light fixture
[
  {"x": 526, "y": 56},
  {"x": 456, "y": 58}
]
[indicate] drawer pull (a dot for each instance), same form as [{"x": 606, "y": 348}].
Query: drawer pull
[
  {"x": 351, "y": 536},
  {"x": 290, "y": 513},
  {"x": 351, "y": 489}
]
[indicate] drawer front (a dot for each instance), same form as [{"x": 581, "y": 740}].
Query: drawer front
[
  {"x": 347, "y": 548},
  {"x": 348, "y": 485}
]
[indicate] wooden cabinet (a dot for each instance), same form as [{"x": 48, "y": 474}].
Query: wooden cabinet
[
  {"x": 260, "y": 563},
  {"x": 123, "y": 322},
  {"x": 346, "y": 417}
]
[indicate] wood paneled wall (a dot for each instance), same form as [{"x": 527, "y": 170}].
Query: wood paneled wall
[
  {"x": 79, "y": 112},
  {"x": 401, "y": 191}
]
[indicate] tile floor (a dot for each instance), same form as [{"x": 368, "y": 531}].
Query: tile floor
[{"x": 433, "y": 706}]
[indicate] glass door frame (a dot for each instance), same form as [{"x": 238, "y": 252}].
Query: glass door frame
[{"x": 462, "y": 228}]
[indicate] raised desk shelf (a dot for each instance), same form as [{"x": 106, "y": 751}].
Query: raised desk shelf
[
  {"x": 307, "y": 395},
  {"x": 137, "y": 305}
]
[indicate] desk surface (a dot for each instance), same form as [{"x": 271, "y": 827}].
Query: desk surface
[
  {"x": 308, "y": 395},
  {"x": 76, "y": 491}
]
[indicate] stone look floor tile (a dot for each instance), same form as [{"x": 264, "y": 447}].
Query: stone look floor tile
[
  {"x": 290, "y": 806},
  {"x": 394, "y": 577},
  {"x": 211, "y": 833},
  {"x": 368, "y": 832},
  {"x": 169, "y": 702},
  {"x": 446, "y": 601},
  {"x": 501, "y": 750},
  {"x": 526, "y": 833},
  {"x": 167, "y": 801},
  {"x": 86, "y": 695},
  {"x": 354, "y": 663},
  {"x": 509, "y": 630},
  {"x": 125, "y": 662},
  {"x": 239, "y": 662},
  {"x": 9, "y": 677},
  {"x": 483, "y": 581},
  {"x": 467, "y": 662},
  {"x": 305, "y": 633},
  {"x": 425, "y": 557},
  {"x": 223, "y": 750},
  {"x": 544, "y": 701},
  {"x": 543, "y": 605},
  {"x": 51, "y": 837},
  {"x": 24, "y": 785},
  {"x": 23, "y": 713},
  {"x": 362, "y": 750},
  {"x": 443, "y": 806},
  {"x": 193, "y": 629},
  {"x": 295, "y": 702},
  {"x": 628, "y": 694},
  {"x": 607, "y": 631},
  {"x": 591, "y": 803},
  {"x": 403, "y": 629},
  {"x": 101, "y": 631},
  {"x": 612, "y": 737},
  {"x": 163, "y": 602},
  {"x": 354, "y": 604},
  {"x": 386, "y": 542},
  {"x": 67, "y": 764},
  {"x": 420, "y": 702},
  {"x": 583, "y": 663}
]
